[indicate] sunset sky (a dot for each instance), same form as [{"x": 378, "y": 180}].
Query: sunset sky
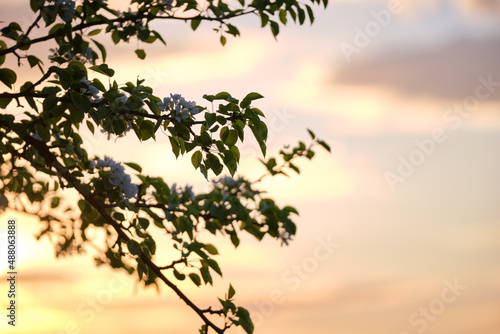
[{"x": 404, "y": 207}]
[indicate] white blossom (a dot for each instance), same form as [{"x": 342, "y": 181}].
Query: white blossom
[
  {"x": 122, "y": 99},
  {"x": 178, "y": 106},
  {"x": 68, "y": 7},
  {"x": 231, "y": 186},
  {"x": 228, "y": 181},
  {"x": 187, "y": 190},
  {"x": 91, "y": 89},
  {"x": 69, "y": 55},
  {"x": 88, "y": 53},
  {"x": 168, "y": 4},
  {"x": 284, "y": 236},
  {"x": 118, "y": 176}
]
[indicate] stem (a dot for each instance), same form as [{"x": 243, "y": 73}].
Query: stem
[
  {"x": 51, "y": 160},
  {"x": 82, "y": 26}
]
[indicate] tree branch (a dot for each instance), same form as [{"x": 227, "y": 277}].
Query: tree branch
[
  {"x": 51, "y": 159},
  {"x": 171, "y": 266},
  {"x": 82, "y": 26}
]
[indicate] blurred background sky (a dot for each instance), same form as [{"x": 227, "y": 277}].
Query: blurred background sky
[{"x": 396, "y": 246}]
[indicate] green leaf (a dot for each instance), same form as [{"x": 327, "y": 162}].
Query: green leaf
[
  {"x": 325, "y": 145},
  {"x": 134, "y": 166},
  {"x": 216, "y": 166},
  {"x": 244, "y": 320},
  {"x": 253, "y": 96},
  {"x": 195, "y": 278},
  {"x": 141, "y": 268},
  {"x": 310, "y": 154},
  {"x": 196, "y": 158},
  {"x": 210, "y": 118},
  {"x": 230, "y": 162},
  {"x": 282, "y": 16},
  {"x": 98, "y": 84},
  {"x": 231, "y": 138},
  {"x": 103, "y": 69},
  {"x": 215, "y": 266},
  {"x": 195, "y": 24},
  {"x": 222, "y": 40},
  {"x": 209, "y": 98},
  {"x": 313, "y": 136},
  {"x": 56, "y": 27},
  {"x": 25, "y": 44},
  {"x": 3, "y": 46},
  {"x": 264, "y": 19},
  {"x": 115, "y": 36},
  {"x": 64, "y": 76},
  {"x": 179, "y": 276},
  {"x": 260, "y": 132},
  {"x": 222, "y": 96},
  {"x": 275, "y": 28},
  {"x": 90, "y": 126},
  {"x": 224, "y": 133},
  {"x": 250, "y": 97},
  {"x": 141, "y": 54},
  {"x": 134, "y": 247},
  {"x": 35, "y": 5},
  {"x": 211, "y": 249},
  {"x": 289, "y": 209},
  {"x": 302, "y": 15},
  {"x": 4, "y": 102},
  {"x": 119, "y": 216},
  {"x": 270, "y": 164},
  {"x": 151, "y": 244},
  {"x": 94, "y": 32},
  {"x": 101, "y": 48},
  {"x": 234, "y": 239},
  {"x": 80, "y": 101},
  {"x": 311, "y": 14},
  {"x": 8, "y": 76},
  {"x": 236, "y": 153},
  {"x": 146, "y": 128},
  {"x": 295, "y": 168},
  {"x": 143, "y": 222},
  {"x": 33, "y": 61},
  {"x": 207, "y": 278},
  {"x": 55, "y": 202},
  {"x": 49, "y": 102},
  {"x": 175, "y": 146},
  {"x": 43, "y": 132},
  {"x": 143, "y": 34},
  {"x": 231, "y": 292}
]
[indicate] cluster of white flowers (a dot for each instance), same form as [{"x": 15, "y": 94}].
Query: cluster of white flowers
[
  {"x": 91, "y": 89},
  {"x": 228, "y": 181},
  {"x": 130, "y": 11},
  {"x": 168, "y": 3},
  {"x": 121, "y": 100},
  {"x": 69, "y": 56},
  {"x": 228, "y": 185},
  {"x": 284, "y": 236},
  {"x": 178, "y": 106},
  {"x": 181, "y": 191},
  {"x": 68, "y": 9},
  {"x": 118, "y": 176}
]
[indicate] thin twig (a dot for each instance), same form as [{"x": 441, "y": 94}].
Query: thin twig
[{"x": 83, "y": 26}]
